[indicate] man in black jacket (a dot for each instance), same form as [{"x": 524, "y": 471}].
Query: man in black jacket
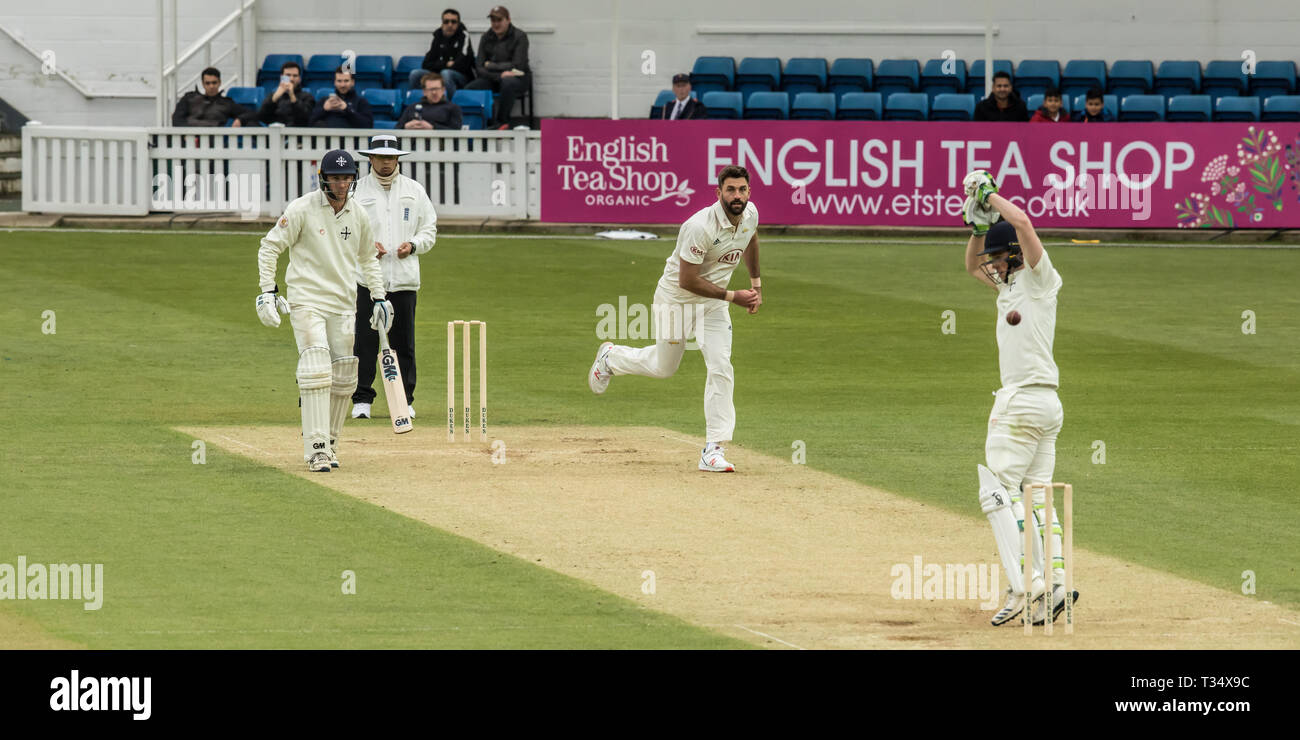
[
  {"x": 289, "y": 104},
  {"x": 684, "y": 107},
  {"x": 502, "y": 64},
  {"x": 1004, "y": 104},
  {"x": 451, "y": 55},
  {"x": 433, "y": 111},
  {"x": 345, "y": 108},
  {"x": 210, "y": 107}
]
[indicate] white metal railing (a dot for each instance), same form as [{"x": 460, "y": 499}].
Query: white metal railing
[
  {"x": 256, "y": 171},
  {"x": 170, "y": 84}
]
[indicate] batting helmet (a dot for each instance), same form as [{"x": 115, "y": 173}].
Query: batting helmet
[
  {"x": 1002, "y": 238},
  {"x": 336, "y": 162}
]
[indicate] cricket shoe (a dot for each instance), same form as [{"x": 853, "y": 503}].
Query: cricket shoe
[
  {"x": 1058, "y": 604},
  {"x": 334, "y": 457},
  {"x": 320, "y": 463},
  {"x": 360, "y": 411},
  {"x": 410, "y": 411},
  {"x": 1015, "y": 604},
  {"x": 600, "y": 374},
  {"x": 711, "y": 460}
]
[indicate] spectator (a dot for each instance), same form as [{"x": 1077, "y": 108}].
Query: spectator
[
  {"x": 1051, "y": 110},
  {"x": 344, "y": 108},
  {"x": 451, "y": 55},
  {"x": 1094, "y": 108},
  {"x": 433, "y": 111},
  {"x": 1004, "y": 104},
  {"x": 289, "y": 104},
  {"x": 210, "y": 107},
  {"x": 502, "y": 65},
  {"x": 685, "y": 106}
]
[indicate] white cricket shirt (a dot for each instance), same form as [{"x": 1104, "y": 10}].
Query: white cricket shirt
[
  {"x": 709, "y": 240},
  {"x": 1025, "y": 350},
  {"x": 325, "y": 250}
]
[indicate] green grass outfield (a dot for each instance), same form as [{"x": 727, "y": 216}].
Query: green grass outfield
[{"x": 156, "y": 331}]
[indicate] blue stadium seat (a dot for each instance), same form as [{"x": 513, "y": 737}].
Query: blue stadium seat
[
  {"x": 1223, "y": 80},
  {"x": 270, "y": 71},
  {"x": 975, "y": 78},
  {"x": 321, "y": 93},
  {"x": 249, "y": 97},
  {"x": 413, "y": 95},
  {"x": 723, "y": 104},
  {"x": 859, "y": 106},
  {"x": 898, "y": 75},
  {"x": 405, "y": 66},
  {"x": 820, "y": 106},
  {"x": 383, "y": 103},
  {"x": 1189, "y": 108},
  {"x": 1036, "y": 75},
  {"x": 663, "y": 98},
  {"x": 1142, "y": 108},
  {"x": 475, "y": 107},
  {"x": 1178, "y": 78},
  {"x": 767, "y": 104},
  {"x": 374, "y": 70},
  {"x": 758, "y": 74},
  {"x": 1109, "y": 102},
  {"x": 952, "y": 107},
  {"x": 713, "y": 74},
  {"x": 1273, "y": 78},
  {"x": 1281, "y": 108},
  {"x": 320, "y": 69},
  {"x": 385, "y": 123},
  {"x": 905, "y": 106},
  {"x": 850, "y": 75},
  {"x": 935, "y": 82},
  {"x": 804, "y": 75},
  {"x": 1081, "y": 75},
  {"x": 1130, "y": 77},
  {"x": 1244, "y": 108},
  {"x": 1035, "y": 101}
]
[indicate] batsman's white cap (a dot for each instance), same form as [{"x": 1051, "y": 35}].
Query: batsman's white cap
[{"x": 384, "y": 145}]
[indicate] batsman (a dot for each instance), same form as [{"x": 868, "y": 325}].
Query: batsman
[
  {"x": 328, "y": 238},
  {"x": 1005, "y": 253}
]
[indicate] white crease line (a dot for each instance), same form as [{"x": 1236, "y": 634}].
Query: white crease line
[
  {"x": 1288, "y": 621},
  {"x": 764, "y": 634},
  {"x": 241, "y": 444}
]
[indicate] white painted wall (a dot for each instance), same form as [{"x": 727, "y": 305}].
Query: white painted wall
[{"x": 110, "y": 44}]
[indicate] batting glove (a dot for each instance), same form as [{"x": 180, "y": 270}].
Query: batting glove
[
  {"x": 979, "y": 184},
  {"x": 978, "y": 217},
  {"x": 269, "y": 308},
  {"x": 383, "y": 316}
]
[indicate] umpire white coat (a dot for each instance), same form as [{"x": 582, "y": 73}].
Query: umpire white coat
[{"x": 403, "y": 213}]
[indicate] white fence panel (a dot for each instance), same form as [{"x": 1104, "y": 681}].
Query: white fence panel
[{"x": 103, "y": 171}]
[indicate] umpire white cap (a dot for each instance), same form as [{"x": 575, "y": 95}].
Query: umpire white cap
[{"x": 383, "y": 145}]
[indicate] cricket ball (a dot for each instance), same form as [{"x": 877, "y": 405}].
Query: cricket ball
[{"x": 1013, "y": 317}]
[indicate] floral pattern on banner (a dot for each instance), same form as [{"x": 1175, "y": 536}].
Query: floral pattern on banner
[{"x": 1251, "y": 187}]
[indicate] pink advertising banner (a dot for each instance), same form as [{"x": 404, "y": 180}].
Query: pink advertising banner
[{"x": 1155, "y": 175}]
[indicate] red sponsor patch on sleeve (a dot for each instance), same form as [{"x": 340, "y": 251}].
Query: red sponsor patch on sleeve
[
  {"x": 697, "y": 251},
  {"x": 284, "y": 222}
]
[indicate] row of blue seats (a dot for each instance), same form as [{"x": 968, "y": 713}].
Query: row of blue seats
[
  {"x": 372, "y": 70},
  {"x": 387, "y": 105},
  {"x": 906, "y": 106},
  {"x": 1031, "y": 76}
]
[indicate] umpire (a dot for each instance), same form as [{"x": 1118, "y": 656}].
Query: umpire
[{"x": 405, "y": 226}]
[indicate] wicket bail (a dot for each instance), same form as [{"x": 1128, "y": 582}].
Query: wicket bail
[
  {"x": 1067, "y": 544},
  {"x": 451, "y": 377}
]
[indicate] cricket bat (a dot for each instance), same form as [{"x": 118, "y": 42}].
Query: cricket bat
[{"x": 394, "y": 391}]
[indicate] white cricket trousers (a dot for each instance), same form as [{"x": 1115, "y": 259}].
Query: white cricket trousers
[{"x": 709, "y": 322}]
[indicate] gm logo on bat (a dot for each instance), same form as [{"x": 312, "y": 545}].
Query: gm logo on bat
[
  {"x": 402, "y": 422},
  {"x": 390, "y": 367}
]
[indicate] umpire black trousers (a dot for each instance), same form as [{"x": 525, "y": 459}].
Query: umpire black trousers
[{"x": 401, "y": 338}]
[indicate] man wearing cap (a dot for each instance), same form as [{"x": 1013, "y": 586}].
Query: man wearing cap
[
  {"x": 1005, "y": 253},
  {"x": 405, "y": 226},
  {"x": 685, "y": 106},
  {"x": 502, "y": 64},
  {"x": 327, "y": 238}
]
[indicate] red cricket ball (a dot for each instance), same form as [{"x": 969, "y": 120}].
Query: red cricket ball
[{"x": 1013, "y": 317}]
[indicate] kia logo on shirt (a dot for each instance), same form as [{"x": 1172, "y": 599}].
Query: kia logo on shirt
[{"x": 732, "y": 257}]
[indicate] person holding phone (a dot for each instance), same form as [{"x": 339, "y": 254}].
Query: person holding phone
[
  {"x": 289, "y": 103},
  {"x": 344, "y": 108}
]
